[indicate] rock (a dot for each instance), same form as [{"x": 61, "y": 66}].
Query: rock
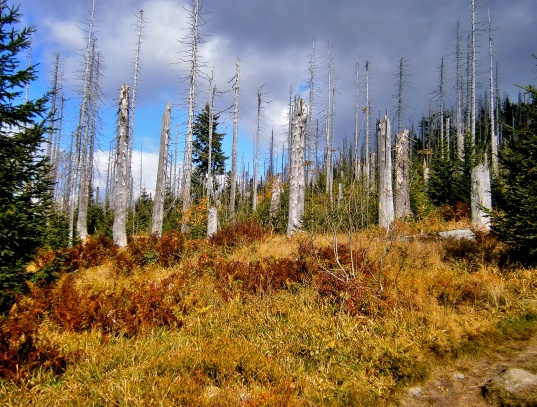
[
  {"x": 458, "y": 376},
  {"x": 457, "y": 234},
  {"x": 415, "y": 392},
  {"x": 513, "y": 387}
]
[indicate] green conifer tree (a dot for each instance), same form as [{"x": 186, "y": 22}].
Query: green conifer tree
[
  {"x": 24, "y": 181},
  {"x": 514, "y": 218}
]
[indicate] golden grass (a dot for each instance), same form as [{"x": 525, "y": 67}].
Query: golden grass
[{"x": 289, "y": 347}]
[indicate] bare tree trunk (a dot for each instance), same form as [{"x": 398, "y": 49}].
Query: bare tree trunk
[
  {"x": 460, "y": 133},
  {"x": 402, "y": 175},
  {"x": 481, "y": 198},
  {"x": 310, "y": 142},
  {"x": 367, "y": 168},
  {"x": 233, "y": 179},
  {"x": 256, "y": 149},
  {"x": 194, "y": 45},
  {"x": 160, "y": 189},
  {"x": 133, "y": 99},
  {"x": 442, "y": 96},
  {"x": 276, "y": 195},
  {"x": 297, "y": 180},
  {"x": 356, "y": 141},
  {"x": 212, "y": 221},
  {"x": 122, "y": 181},
  {"x": 385, "y": 188},
  {"x": 493, "y": 133},
  {"x": 328, "y": 141}
]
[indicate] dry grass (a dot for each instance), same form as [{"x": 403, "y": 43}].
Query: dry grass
[{"x": 253, "y": 332}]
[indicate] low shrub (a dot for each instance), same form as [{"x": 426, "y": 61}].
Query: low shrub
[{"x": 237, "y": 235}]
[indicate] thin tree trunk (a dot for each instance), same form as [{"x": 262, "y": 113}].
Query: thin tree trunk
[
  {"x": 121, "y": 181},
  {"x": 367, "y": 168},
  {"x": 297, "y": 180},
  {"x": 160, "y": 189},
  {"x": 481, "y": 198},
  {"x": 385, "y": 188},
  {"x": 233, "y": 177},
  {"x": 195, "y": 39},
  {"x": 493, "y": 133},
  {"x": 133, "y": 99},
  {"x": 402, "y": 175}
]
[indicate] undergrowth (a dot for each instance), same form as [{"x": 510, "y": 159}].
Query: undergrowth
[{"x": 219, "y": 322}]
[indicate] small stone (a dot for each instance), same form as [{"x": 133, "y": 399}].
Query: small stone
[
  {"x": 458, "y": 376},
  {"x": 415, "y": 391},
  {"x": 512, "y": 387}
]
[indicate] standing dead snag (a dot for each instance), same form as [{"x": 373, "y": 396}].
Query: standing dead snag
[
  {"x": 481, "y": 198},
  {"x": 297, "y": 178},
  {"x": 385, "y": 188},
  {"x": 402, "y": 175},
  {"x": 122, "y": 182},
  {"x": 158, "y": 205}
]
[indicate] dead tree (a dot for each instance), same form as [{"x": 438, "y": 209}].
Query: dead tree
[
  {"x": 328, "y": 131},
  {"x": 160, "y": 189},
  {"x": 459, "y": 90},
  {"x": 385, "y": 186},
  {"x": 402, "y": 175},
  {"x": 481, "y": 197},
  {"x": 277, "y": 188},
  {"x": 193, "y": 61},
  {"x": 493, "y": 133},
  {"x": 121, "y": 189},
  {"x": 356, "y": 140},
  {"x": 367, "y": 167},
  {"x": 134, "y": 87},
  {"x": 233, "y": 180},
  {"x": 297, "y": 180}
]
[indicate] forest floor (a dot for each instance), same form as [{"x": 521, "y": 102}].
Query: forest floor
[{"x": 461, "y": 384}]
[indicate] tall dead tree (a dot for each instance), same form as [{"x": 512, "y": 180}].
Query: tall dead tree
[
  {"x": 402, "y": 175},
  {"x": 480, "y": 196},
  {"x": 385, "y": 186},
  {"x": 328, "y": 129},
  {"x": 297, "y": 179},
  {"x": 193, "y": 61},
  {"x": 311, "y": 142},
  {"x": 233, "y": 180},
  {"x": 459, "y": 91},
  {"x": 160, "y": 189},
  {"x": 121, "y": 189},
  {"x": 256, "y": 149},
  {"x": 367, "y": 112},
  {"x": 356, "y": 139},
  {"x": 493, "y": 132},
  {"x": 79, "y": 153},
  {"x": 139, "y": 29}
]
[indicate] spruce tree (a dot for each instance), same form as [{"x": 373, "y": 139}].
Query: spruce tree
[
  {"x": 25, "y": 185},
  {"x": 514, "y": 218},
  {"x": 200, "y": 147}
]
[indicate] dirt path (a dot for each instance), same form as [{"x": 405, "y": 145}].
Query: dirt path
[{"x": 460, "y": 384}]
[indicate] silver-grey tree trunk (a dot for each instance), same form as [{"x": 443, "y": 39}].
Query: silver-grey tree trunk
[
  {"x": 297, "y": 179},
  {"x": 481, "y": 198},
  {"x": 385, "y": 185},
  {"x": 233, "y": 180},
  {"x": 212, "y": 221},
  {"x": 121, "y": 189},
  {"x": 276, "y": 194},
  {"x": 402, "y": 175},
  {"x": 160, "y": 189}
]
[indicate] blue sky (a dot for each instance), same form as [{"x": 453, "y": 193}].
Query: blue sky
[{"x": 273, "y": 40}]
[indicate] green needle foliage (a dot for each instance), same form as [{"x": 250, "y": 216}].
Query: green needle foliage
[
  {"x": 514, "y": 219},
  {"x": 24, "y": 182}
]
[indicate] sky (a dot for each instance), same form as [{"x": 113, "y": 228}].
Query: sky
[{"x": 273, "y": 40}]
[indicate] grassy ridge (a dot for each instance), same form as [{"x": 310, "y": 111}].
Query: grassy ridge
[{"x": 248, "y": 319}]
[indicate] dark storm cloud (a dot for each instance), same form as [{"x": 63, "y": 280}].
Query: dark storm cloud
[{"x": 273, "y": 39}]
